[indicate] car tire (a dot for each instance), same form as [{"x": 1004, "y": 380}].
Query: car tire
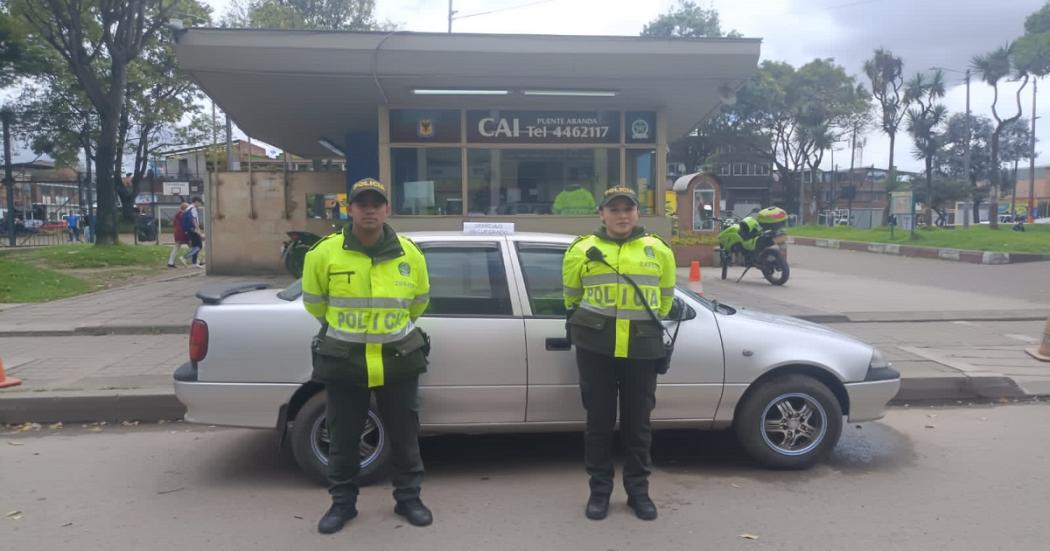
[
  {"x": 789, "y": 422},
  {"x": 309, "y": 437}
]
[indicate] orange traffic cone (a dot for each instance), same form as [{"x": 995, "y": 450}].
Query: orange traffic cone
[
  {"x": 7, "y": 381},
  {"x": 696, "y": 283},
  {"x": 1042, "y": 352}
]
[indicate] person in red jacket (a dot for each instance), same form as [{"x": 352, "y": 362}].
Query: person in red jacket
[{"x": 180, "y": 237}]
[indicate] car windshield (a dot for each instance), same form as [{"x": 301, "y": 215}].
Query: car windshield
[
  {"x": 712, "y": 305},
  {"x": 292, "y": 291}
]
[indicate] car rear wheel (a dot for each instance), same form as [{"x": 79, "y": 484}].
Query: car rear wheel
[
  {"x": 789, "y": 422},
  {"x": 310, "y": 442}
]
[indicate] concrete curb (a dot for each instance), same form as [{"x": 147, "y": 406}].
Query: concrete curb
[
  {"x": 957, "y": 255},
  {"x": 150, "y": 406},
  {"x": 101, "y": 330},
  {"x": 90, "y": 407}
]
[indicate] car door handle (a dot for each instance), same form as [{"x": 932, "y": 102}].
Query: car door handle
[{"x": 558, "y": 343}]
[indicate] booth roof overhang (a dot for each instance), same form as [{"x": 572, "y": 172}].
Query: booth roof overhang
[{"x": 294, "y": 88}]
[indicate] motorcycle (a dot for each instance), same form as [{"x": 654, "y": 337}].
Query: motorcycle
[
  {"x": 293, "y": 251},
  {"x": 765, "y": 251}
]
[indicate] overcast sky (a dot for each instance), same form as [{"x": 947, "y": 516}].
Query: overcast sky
[{"x": 925, "y": 33}]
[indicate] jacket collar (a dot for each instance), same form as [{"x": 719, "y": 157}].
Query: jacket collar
[
  {"x": 389, "y": 246},
  {"x": 603, "y": 234}
]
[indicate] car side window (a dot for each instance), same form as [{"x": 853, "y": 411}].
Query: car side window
[
  {"x": 541, "y": 268},
  {"x": 466, "y": 280}
]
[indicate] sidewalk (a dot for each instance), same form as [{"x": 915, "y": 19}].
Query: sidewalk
[{"x": 110, "y": 355}]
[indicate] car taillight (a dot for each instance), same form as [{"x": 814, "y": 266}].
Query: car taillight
[{"x": 198, "y": 340}]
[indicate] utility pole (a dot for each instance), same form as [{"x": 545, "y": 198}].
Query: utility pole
[
  {"x": 450, "y": 12},
  {"x": 969, "y": 132},
  {"x": 229, "y": 144},
  {"x": 9, "y": 181},
  {"x": 1031, "y": 161}
]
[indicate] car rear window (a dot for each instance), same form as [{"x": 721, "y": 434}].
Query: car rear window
[{"x": 467, "y": 280}]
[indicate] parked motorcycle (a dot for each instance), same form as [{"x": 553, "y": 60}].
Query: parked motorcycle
[
  {"x": 766, "y": 249},
  {"x": 293, "y": 251}
]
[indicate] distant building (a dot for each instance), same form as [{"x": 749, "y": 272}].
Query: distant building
[
  {"x": 44, "y": 192},
  {"x": 196, "y": 162}
]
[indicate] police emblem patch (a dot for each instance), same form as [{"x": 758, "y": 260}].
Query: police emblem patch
[
  {"x": 425, "y": 129},
  {"x": 404, "y": 268},
  {"x": 650, "y": 252}
]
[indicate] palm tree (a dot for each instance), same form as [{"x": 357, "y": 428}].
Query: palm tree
[
  {"x": 886, "y": 73},
  {"x": 924, "y": 125},
  {"x": 992, "y": 68}
]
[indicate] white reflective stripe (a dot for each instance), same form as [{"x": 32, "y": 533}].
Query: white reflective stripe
[
  {"x": 603, "y": 310},
  {"x": 572, "y": 291},
  {"x": 378, "y": 338},
  {"x": 420, "y": 299},
  {"x": 667, "y": 292},
  {"x": 603, "y": 279},
  {"x": 346, "y": 302},
  {"x": 311, "y": 298}
]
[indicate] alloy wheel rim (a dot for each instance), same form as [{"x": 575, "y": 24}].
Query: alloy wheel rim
[
  {"x": 793, "y": 424},
  {"x": 373, "y": 439}
]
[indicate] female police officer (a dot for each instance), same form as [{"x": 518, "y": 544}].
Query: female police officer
[{"x": 618, "y": 344}]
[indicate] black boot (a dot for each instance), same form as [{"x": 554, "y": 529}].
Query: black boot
[
  {"x": 598, "y": 506},
  {"x": 337, "y": 516},
  {"x": 644, "y": 508},
  {"x": 414, "y": 511}
]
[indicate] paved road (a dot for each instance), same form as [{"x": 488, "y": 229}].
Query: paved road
[{"x": 924, "y": 478}]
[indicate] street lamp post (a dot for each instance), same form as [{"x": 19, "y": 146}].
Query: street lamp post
[{"x": 1031, "y": 161}]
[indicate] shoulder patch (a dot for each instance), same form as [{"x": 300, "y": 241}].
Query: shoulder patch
[{"x": 325, "y": 238}]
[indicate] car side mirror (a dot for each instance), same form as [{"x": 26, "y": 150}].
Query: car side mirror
[{"x": 680, "y": 311}]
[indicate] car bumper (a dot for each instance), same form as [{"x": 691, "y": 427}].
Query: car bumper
[
  {"x": 868, "y": 399},
  {"x": 252, "y": 405}
]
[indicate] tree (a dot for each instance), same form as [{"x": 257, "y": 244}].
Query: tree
[
  {"x": 1015, "y": 145},
  {"x": 993, "y": 67},
  {"x": 687, "y": 20},
  {"x": 98, "y": 41},
  {"x": 1032, "y": 55},
  {"x": 924, "y": 126},
  {"x": 952, "y": 162},
  {"x": 885, "y": 71},
  {"x": 334, "y": 15}
]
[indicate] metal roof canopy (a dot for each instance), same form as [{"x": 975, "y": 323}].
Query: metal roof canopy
[{"x": 291, "y": 88}]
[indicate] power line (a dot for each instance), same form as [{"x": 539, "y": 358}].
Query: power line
[{"x": 519, "y": 6}]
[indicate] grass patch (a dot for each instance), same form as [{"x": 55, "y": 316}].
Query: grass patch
[
  {"x": 978, "y": 237},
  {"x": 60, "y": 271},
  {"x": 81, "y": 255},
  {"x": 21, "y": 282}
]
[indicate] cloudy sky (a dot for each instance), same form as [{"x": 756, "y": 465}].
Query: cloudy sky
[{"x": 925, "y": 33}]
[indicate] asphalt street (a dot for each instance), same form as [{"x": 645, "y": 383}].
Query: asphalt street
[{"x": 967, "y": 477}]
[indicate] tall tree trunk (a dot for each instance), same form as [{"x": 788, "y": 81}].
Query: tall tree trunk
[
  {"x": 889, "y": 181},
  {"x": 127, "y": 194},
  {"x": 929, "y": 191},
  {"x": 997, "y": 176},
  {"x": 1013, "y": 194},
  {"x": 106, "y": 219}
]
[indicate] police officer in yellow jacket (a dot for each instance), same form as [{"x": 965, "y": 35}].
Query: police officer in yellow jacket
[
  {"x": 618, "y": 344},
  {"x": 368, "y": 285}
]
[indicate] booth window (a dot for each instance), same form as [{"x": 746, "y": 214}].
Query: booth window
[
  {"x": 426, "y": 181},
  {"x": 703, "y": 220},
  {"x": 641, "y": 177},
  {"x": 566, "y": 181}
]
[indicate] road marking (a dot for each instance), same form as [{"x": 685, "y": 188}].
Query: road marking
[{"x": 1023, "y": 338}]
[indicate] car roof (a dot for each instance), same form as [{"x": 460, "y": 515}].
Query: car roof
[{"x": 541, "y": 237}]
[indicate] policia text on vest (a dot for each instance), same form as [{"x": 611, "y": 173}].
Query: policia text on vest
[{"x": 368, "y": 286}]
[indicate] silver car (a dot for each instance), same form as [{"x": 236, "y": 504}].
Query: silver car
[{"x": 500, "y": 362}]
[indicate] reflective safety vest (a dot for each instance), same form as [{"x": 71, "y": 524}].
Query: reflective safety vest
[
  {"x": 610, "y": 316},
  {"x": 369, "y": 301},
  {"x": 574, "y": 201}
]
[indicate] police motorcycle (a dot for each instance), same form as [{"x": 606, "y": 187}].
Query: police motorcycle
[
  {"x": 293, "y": 251},
  {"x": 757, "y": 241}
]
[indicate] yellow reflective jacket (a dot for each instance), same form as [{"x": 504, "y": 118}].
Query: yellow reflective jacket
[
  {"x": 574, "y": 201},
  {"x": 370, "y": 298},
  {"x": 610, "y": 318}
]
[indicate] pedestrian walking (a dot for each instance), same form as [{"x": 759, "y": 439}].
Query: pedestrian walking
[
  {"x": 191, "y": 224},
  {"x": 367, "y": 285},
  {"x": 73, "y": 226},
  {"x": 180, "y": 236},
  {"x": 619, "y": 346}
]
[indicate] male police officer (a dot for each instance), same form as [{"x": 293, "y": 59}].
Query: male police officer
[
  {"x": 368, "y": 285},
  {"x": 618, "y": 344}
]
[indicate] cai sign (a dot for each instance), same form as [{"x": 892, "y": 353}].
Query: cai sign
[{"x": 531, "y": 127}]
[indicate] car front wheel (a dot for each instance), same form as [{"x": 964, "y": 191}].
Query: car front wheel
[
  {"x": 311, "y": 441},
  {"x": 789, "y": 422}
]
